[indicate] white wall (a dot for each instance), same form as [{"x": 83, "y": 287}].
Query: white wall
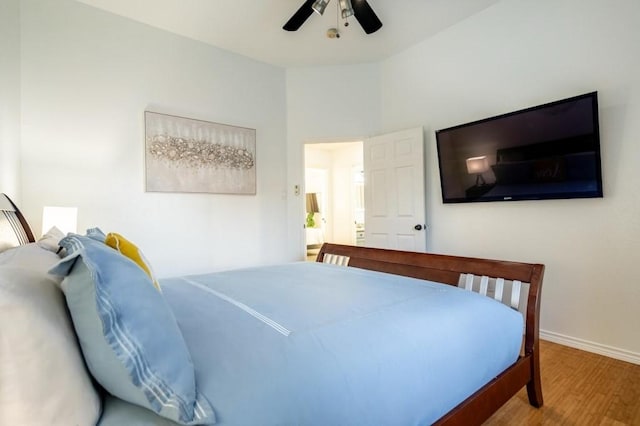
[
  {"x": 10, "y": 98},
  {"x": 87, "y": 78},
  {"x": 325, "y": 104},
  {"x": 517, "y": 54}
]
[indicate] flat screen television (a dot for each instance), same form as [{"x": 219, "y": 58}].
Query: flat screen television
[{"x": 548, "y": 151}]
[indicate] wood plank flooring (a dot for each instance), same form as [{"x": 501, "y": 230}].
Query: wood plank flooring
[{"x": 579, "y": 388}]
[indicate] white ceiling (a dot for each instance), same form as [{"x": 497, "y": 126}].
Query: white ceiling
[{"x": 253, "y": 28}]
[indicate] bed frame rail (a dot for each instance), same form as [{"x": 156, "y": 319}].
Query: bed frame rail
[{"x": 484, "y": 276}]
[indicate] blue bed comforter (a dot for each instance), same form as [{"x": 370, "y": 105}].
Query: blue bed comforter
[{"x": 317, "y": 344}]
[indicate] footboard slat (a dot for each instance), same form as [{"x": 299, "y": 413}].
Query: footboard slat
[
  {"x": 512, "y": 293},
  {"x": 468, "y": 283},
  {"x": 515, "y": 294},
  {"x": 499, "y": 289},
  {"x": 484, "y": 285},
  {"x": 336, "y": 259}
]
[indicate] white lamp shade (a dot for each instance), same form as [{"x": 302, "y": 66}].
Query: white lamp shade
[
  {"x": 477, "y": 164},
  {"x": 63, "y": 218}
]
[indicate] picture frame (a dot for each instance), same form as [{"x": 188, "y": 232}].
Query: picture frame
[{"x": 195, "y": 156}]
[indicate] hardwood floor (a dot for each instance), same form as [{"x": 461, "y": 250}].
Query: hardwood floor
[{"x": 579, "y": 388}]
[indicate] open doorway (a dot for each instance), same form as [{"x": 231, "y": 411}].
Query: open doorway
[{"x": 334, "y": 195}]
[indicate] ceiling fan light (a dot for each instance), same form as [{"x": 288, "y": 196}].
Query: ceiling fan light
[
  {"x": 346, "y": 9},
  {"x": 319, "y": 6}
]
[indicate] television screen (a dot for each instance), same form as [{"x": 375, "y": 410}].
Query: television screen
[{"x": 542, "y": 152}]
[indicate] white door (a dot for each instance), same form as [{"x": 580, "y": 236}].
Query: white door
[{"x": 394, "y": 191}]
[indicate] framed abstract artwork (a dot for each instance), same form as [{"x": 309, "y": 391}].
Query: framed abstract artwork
[{"x": 188, "y": 155}]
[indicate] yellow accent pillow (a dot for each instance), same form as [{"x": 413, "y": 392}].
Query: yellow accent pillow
[{"x": 130, "y": 250}]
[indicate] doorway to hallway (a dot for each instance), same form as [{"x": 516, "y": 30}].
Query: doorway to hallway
[{"x": 334, "y": 194}]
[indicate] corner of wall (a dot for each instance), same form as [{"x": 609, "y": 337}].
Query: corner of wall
[{"x": 10, "y": 100}]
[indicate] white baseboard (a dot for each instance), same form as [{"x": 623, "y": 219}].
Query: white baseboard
[{"x": 588, "y": 346}]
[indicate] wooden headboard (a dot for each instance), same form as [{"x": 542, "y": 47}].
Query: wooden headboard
[
  {"x": 14, "y": 229},
  {"x": 487, "y": 277}
]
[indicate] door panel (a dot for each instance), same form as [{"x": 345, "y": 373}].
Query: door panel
[
  {"x": 394, "y": 190},
  {"x": 378, "y": 194},
  {"x": 376, "y": 240},
  {"x": 406, "y": 178},
  {"x": 406, "y": 242}
]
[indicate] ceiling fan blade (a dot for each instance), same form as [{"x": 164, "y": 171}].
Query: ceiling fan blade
[
  {"x": 366, "y": 16},
  {"x": 299, "y": 17}
]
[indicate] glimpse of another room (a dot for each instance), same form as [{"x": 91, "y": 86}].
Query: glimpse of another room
[{"x": 334, "y": 195}]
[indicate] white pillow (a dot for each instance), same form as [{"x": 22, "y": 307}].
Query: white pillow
[
  {"x": 50, "y": 240},
  {"x": 42, "y": 373},
  {"x": 30, "y": 256}
]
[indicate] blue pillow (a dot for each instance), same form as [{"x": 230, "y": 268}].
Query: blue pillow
[
  {"x": 71, "y": 246},
  {"x": 128, "y": 335},
  {"x": 96, "y": 234}
]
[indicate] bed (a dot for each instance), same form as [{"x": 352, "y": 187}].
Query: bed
[{"x": 361, "y": 336}]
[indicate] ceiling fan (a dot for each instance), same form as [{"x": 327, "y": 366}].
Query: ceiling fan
[{"x": 358, "y": 8}]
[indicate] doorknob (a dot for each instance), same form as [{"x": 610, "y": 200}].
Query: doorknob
[{"x": 418, "y": 227}]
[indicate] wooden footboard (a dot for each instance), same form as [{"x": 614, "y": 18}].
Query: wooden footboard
[{"x": 493, "y": 278}]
